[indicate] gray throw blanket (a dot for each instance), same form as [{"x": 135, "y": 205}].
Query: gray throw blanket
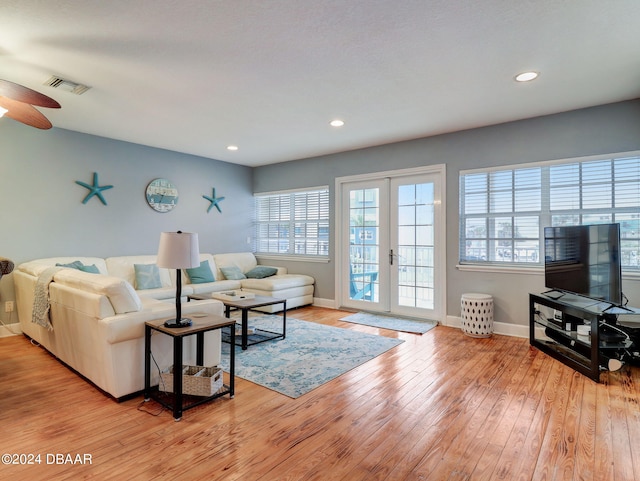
[{"x": 41, "y": 304}]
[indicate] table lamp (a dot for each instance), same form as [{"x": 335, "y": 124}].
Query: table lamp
[{"x": 178, "y": 250}]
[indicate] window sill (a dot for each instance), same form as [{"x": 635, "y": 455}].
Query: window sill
[
  {"x": 632, "y": 275},
  {"x": 296, "y": 258},
  {"x": 516, "y": 269}
]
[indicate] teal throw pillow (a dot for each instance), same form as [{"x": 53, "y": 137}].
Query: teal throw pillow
[
  {"x": 92, "y": 268},
  {"x": 71, "y": 265},
  {"x": 260, "y": 272},
  {"x": 232, "y": 273},
  {"x": 202, "y": 274},
  {"x": 147, "y": 276},
  {"x": 81, "y": 267}
]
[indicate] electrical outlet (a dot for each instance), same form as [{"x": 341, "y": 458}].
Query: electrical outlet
[{"x": 8, "y": 306}]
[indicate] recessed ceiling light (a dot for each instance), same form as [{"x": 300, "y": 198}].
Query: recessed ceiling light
[
  {"x": 526, "y": 76},
  {"x": 232, "y": 147},
  {"x": 336, "y": 123}
]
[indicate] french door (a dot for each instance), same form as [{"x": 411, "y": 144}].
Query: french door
[{"x": 392, "y": 246}]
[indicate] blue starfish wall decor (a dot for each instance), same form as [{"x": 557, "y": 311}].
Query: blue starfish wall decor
[
  {"x": 214, "y": 201},
  {"x": 94, "y": 189}
]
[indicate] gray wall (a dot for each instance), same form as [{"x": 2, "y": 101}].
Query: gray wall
[
  {"x": 598, "y": 130},
  {"x": 42, "y": 214}
]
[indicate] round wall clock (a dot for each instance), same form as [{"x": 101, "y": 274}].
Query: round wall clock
[{"x": 162, "y": 195}]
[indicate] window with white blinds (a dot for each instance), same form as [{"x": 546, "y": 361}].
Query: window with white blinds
[
  {"x": 294, "y": 223},
  {"x": 503, "y": 212}
]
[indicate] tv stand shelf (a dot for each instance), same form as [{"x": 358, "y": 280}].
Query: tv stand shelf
[{"x": 558, "y": 337}]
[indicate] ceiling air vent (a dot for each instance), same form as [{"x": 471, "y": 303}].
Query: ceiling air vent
[{"x": 66, "y": 85}]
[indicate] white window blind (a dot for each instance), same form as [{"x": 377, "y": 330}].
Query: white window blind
[
  {"x": 503, "y": 212},
  {"x": 294, "y": 222}
]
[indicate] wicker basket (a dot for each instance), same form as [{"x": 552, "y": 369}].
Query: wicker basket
[{"x": 196, "y": 380}]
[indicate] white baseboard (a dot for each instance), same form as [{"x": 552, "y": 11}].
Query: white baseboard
[
  {"x": 6, "y": 332},
  {"x": 328, "y": 303},
  {"x": 503, "y": 328}
]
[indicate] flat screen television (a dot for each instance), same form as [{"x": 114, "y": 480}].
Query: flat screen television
[{"x": 584, "y": 260}]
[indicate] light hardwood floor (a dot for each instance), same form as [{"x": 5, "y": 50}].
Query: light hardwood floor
[{"x": 440, "y": 406}]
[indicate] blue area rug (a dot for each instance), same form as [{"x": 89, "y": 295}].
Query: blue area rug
[
  {"x": 389, "y": 322},
  {"x": 311, "y": 355}
]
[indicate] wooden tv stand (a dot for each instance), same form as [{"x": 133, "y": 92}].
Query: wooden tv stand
[{"x": 558, "y": 337}]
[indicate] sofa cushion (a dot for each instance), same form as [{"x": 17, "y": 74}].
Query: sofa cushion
[
  {"x": 122, "y": 266},
  {"x": 120, "y": 293},
  {"x": 286, "y": 293},
  {"x": 147, "y": 276},
  {"x": 164, "y": 293},
  {"x": 244, "y": 260},
  {"x": 118, "y": 329},
  {"x": 216, "y": 286},
  {"x": 278, "y": 282},
  {"x": 201, "y": 274},
  {"x": 232, "y": 273},
  {"x": 260, "y": 272},
  {"x": 36, "y": 267},
  {"x": 75, "y": 303}
]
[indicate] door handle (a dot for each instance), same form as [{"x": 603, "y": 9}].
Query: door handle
[{"x": 391, "y": 257}]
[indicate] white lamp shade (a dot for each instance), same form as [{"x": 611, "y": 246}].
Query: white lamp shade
[{"x": 178, "y": 250}]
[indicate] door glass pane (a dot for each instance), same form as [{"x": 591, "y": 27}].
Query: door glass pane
[
  {"x": 424, "y": 235},
  {"x": 414, "y": 259},
  {"x": 406, "y": 235},
  {"x": 364, "y": 249},
  {"x": 424, "y": 298},
  {"x": 424, "y": 193},
  {"x": 424, "y": 215},
  {"x": 406, "y": 214},
  {"x": 406, "y": 194}
]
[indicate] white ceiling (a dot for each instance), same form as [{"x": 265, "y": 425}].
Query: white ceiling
[{"x": 268, "y": 75}]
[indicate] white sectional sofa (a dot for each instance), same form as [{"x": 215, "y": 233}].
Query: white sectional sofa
[
  {"x": 98, "y": 319},
  {"x": 297, "y": 289}
]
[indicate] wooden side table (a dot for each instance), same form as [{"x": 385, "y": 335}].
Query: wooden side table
[
  {"x": 200, "y": 325},
  {"x": 244, "y": 306}
]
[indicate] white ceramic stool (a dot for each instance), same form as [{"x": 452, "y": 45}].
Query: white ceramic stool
[{"x": 477, "y": 314}]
